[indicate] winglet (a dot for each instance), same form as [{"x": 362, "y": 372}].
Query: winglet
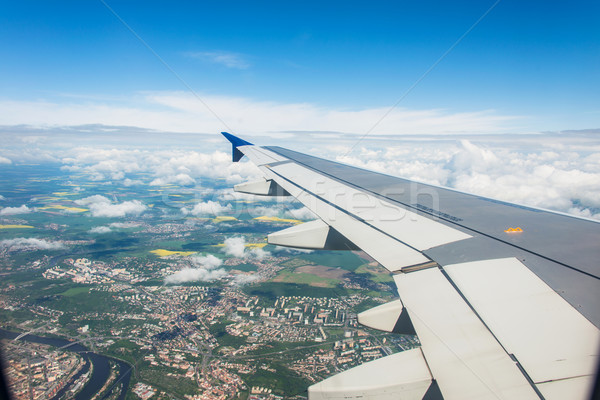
[{"x": 235, "y": 143}]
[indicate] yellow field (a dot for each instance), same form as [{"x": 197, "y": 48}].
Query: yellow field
[
  {"x": 277, "y": 219},
  {"x": 15, "y": 226},
  {"x": 163, "y": 253},
  {"x": 64, "y": 194},
  {"x": 61, "y": 207},
  {"x": 223, "y": 218},
  {"x": 249, "y": 245}
]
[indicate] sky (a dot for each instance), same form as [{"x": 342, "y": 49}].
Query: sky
[
  {"x": 271, "y": 67},
  {"x": 497, "y": 98}
]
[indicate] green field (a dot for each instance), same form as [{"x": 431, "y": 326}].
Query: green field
[{"x": 305, "y": 279}]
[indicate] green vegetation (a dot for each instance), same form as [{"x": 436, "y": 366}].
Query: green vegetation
[
  {"x": 74, "y": 291},
  {"x": 377, "y": 274},
  {"x": 272, "y": 290},
  {"x": 304, "y": 278},
  {"x": 282, "y": 380},
  {"x": 245, "y": 267},
  {"x": 169, "y": 380},
  {"x": 336, "y": 259}
]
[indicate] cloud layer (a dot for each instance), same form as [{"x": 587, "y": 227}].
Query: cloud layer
[{"x": 183, "y": 112}]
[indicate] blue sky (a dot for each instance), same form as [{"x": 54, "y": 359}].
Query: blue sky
[{"x": 529, "y": 66}]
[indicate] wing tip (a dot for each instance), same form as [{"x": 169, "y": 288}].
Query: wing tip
[{"x": 235, "y": 143}]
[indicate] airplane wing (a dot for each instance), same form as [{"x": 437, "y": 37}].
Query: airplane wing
[{"x": 503, "y": 298}]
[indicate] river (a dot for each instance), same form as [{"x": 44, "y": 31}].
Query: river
[{"x": 100, "y": 371}]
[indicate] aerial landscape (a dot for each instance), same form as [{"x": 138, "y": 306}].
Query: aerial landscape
[
  {"x": 131, "y": 269},
  {"x": 153, "y": 277}
]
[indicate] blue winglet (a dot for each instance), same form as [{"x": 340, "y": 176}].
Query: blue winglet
[{"x": 235, "y": 143}]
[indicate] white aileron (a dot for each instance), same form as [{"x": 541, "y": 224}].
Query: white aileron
[
  {"x": 400, "y": 376},
  {"x": 464, "y": 357}
]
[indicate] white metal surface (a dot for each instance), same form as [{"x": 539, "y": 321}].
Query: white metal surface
[
  {"x": 549, "y": 337},
  {"x": 464, "y": 357},
  {"x": 260, "y": 188},
  {"x": 383, "y": 317},
  {"x": 411, "y": 228},
  {"x": 574, "y": 388},
  {"x": 310, "y": 235},
  {"x": 260, "y": 156},
  {"x": 400, "y": 376}
]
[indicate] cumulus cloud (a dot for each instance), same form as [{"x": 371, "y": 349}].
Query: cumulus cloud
[
  {"x": 208, "y": 208},
  {"x": 195, "y": 274},
  {"x": 31, "y": 244},
  {"x": 258, "y": 253},
  {"x": 552, "y": 172},
  {"x": 123, "y": 225},
  {"x": 100, "y": 229},
  {"x": 101, "y": 206},
  {"x": 4, "y": 160},
  {"x": 301, "y": 213},
  {"x": 236, "y": 247},
  {"x": 2, "y": 197},
  {"x": 242, "y": 279},
  {"x": 209, "y": 261},
  {"x": 206, "y": 270},
  {"x": 16, "y": 210},
  {"x": 179, "y": 179}
]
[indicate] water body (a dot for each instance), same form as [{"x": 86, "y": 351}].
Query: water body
[{"x": 101, "y": 366}]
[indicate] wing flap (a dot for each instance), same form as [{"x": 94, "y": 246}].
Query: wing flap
[
  {"x": 463, "y": 355},
  {"x": 549, "y": 338},
  {"x": 400, "y": 376}
]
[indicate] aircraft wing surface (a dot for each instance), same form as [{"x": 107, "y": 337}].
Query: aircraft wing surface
[{"x": 504, "y": 298}]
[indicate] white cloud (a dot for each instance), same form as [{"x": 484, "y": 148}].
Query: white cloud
[
  {"x": 100, "y": 229},
  {"x": 301, "y": 213},
  {"x": 16, "y": 210},
  {"x": 182, "y": 112},
  {"x": 235, "y": 246},
  {"x": 179, "y": 179},
  {"x": 209, "y": 208},
  {"x": 31, "y": 244},
  {"x": 4, "y": 160},
  {"x": 95, "y": 199},
  {"x": 243, "y": 279},
  {"x": 2, "y": 197},
  {"x": 292, "y": 250},
  {"x": 207, "y": 270},
  {"x": 195, "y": 274},
  {"x": 258, "y": 253},
  {"x": 132, "y": 182},
  {"x": 208, "y": 262},
  {"x": 123, "y": 225},
  {"x": 225, "y": 58},
  {"x": 101, "y": 206}
]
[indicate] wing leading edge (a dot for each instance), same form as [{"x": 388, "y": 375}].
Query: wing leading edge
[{"x": 502, "y": 297}]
